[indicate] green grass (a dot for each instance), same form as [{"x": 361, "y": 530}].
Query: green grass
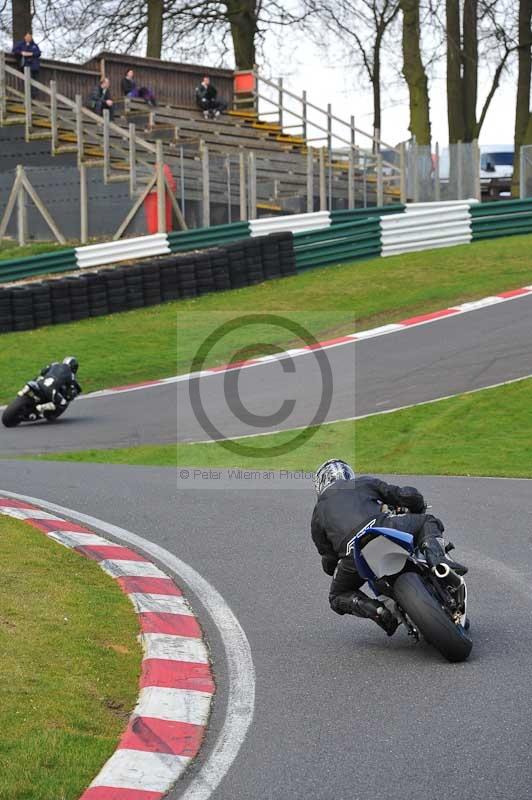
[
  {"x": 161, "y": 341},
  {"x": 484, "y": 433},
  {"x": 69, "y": 666},
  {"x": 9, "y": 249}
]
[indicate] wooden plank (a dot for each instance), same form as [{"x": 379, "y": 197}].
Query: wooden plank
[
  {"x": 13, "y": 195},
  {"x": 136, "y": 205},
  {"x": 42, "y": 209}
]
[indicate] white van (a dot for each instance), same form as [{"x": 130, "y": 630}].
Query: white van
[{"x": 496, "y": 168}]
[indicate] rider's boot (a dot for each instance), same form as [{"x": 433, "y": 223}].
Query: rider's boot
[
  {"x": 360, "y": 605},
  {"x": 433, "y": 548}
]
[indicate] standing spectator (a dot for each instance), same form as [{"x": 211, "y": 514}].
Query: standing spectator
[
  {"x": 206, "y": 101},
  {"x": 129, "y": 89},
  {"x": 28, "y": 55},
  {"x": 101, "y": 98}
]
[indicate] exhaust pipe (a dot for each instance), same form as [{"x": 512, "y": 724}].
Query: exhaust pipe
[{"x": 441, "y": 570}]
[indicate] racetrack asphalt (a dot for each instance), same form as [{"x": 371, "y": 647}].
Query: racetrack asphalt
[
  {"x": 452, "y": 355},
  {"x": 342, "y": 712}
]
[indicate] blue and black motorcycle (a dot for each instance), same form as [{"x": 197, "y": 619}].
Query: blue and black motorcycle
[{"x": 430, "y": 602}]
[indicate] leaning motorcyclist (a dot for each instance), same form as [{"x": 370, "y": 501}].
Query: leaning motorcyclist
[
  {"x": 58, "y": 384},
  {"x": 345, "y": 506}
]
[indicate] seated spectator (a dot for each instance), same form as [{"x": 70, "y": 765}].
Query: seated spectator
[
  {"x": 206, "y": 99},
  {"x": 28, "y": 55},
  {"x": 101, "y": 98},
  {"x": 129, "y": 89}
]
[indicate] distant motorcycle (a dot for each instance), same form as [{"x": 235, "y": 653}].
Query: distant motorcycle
[
  {"x": 432, "y": 603},
  {"x": 24, "y": 406}
]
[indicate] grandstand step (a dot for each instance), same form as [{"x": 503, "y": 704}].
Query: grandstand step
[
  {"x": 117, "y": 178},
  {"x": 65, "y": 148},
  {"x": 269, "y": 207},
  {"x": 93, "y": 162},
  {"x": 41, "y": 122},
  {"x": 14, "y": 120},
  {"x": 42, "y": 135},
  {"x": 68, "y": 136},
  {"x": 249, "y": 114},
  {"x": 16, "y": 108},
  {"x": 285, "y": 137}
]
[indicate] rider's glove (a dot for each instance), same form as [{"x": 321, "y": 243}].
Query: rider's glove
[
  {"x": 329, "y": 564},
  {"x": 412, "y": 499}
]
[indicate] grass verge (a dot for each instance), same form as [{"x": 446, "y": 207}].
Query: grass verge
[
  {"x": 161, "y": 341},
  {"x": 11, "y": 250},
  {"x": 485, "y": 433},
  {"x": 69, "y": 667}
]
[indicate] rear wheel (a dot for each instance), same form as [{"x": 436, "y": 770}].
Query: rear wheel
[
  {"x": 15, "y": 412},
  {"x": 428, "y": 615}
]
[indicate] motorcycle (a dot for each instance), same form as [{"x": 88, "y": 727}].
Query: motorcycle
[
  {"x": 24, "y": 406},
  {"x": 430, "y": 602}
]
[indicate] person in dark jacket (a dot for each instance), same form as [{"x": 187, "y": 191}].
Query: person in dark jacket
[
  {"x": 206, "y": 99},
  {"x": 129, "y": 89},
  {"x": 28, "y": 55},
  {"x": 345, "y": 506},
  {"x": 101, "y": 98},
  {"x": 59, "y": 384}
]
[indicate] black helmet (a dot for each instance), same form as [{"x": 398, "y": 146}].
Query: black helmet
[
  {"x": 331, "y": 471},
  {"x": 71, "y": 362}
]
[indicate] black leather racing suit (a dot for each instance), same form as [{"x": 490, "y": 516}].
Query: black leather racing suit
[
  {"x": 59, "y": 384},
  {"x": 346, "y": 507}
]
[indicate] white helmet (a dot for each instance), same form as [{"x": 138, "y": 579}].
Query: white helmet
[{"x": 331, "y": 471}]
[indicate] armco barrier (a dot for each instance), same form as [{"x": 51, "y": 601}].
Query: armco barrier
[
  {"x": 175, "y": 276},
  {"x": 425, "y": 229},
  {"x": 200, "y": 238},
  {"x": 508, "y": 218},
  {"x": 343, "y": 242},
  {"x": 122, "y": 250},
  {"x": 47, "y": 263},
  {"x": 353, "y": 214},
  {"x": 294, "y": 223}
]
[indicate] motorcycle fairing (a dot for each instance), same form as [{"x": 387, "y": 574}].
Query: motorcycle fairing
[{"x": 384, "y": 552}]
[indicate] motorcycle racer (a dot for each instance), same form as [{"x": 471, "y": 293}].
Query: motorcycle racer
[
  {"x": 347, "y": 505},
  {"x": 59, "y": 384}
]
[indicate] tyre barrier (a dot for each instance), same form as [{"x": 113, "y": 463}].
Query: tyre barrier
[{"x": 172, "y": 277}]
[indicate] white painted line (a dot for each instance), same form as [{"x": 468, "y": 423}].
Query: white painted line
[
  {"x": 175, "y": 648},
  {"x": 160, "y": 604},
  {"x": 371, "y": 413},
  {"x": 240, "y": 668},
  {"x": 137, "y": 769},
  {"x": 176, "y": 705}
]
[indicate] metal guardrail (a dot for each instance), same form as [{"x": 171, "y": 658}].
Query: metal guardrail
[{"x": 48, "y": 263}]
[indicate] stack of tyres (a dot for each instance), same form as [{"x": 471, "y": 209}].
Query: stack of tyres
[
  {"x": 237, "y": 264},
  {"x": 253, "y": 254},
  {"x": 220, "y": 269},
  {"x": 22, "y": 308},
  {"x": 186, "y": 276},
  {"x": 60, "y": 300},
  {"x": 97, "y": 293},
  {"x": 115, "y": 283},
  {"x": 79, "y": 297},
  {"x": 169, "y": 283},
  {"x": 271, "y": 257},
  {"x": 204, "y": 273},
  {"x": 287, "y": 253},
  {"x": 151, "y": 283},
  {"x": 134, "y": 290},
  {"x": 6, "y": 315},
  {"x": 42, "y": 304}
]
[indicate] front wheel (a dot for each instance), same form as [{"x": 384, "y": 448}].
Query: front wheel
[
  {"x": 15, "y": 412},
  {"x": 428, "y": 615}
]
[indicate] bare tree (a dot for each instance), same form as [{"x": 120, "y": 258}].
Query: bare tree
[
  {"x": 480, "y": 27},
  {"x": 190, "y": 27},
  {"x": 523, "y": 115},
  {"x": 21, "y": 18},
  {"x": 414, "y": 72},
  {"x": 155, "y": 28},
  {"x": 361, "y": 26}
]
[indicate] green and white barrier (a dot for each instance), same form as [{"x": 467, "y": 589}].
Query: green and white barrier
[{"x": 320, "y": 238}]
